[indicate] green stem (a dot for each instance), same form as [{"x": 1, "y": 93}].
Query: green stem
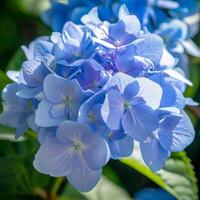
[
  {"x": 41, "y": 193},
  {"x": 55, "y": 187}
]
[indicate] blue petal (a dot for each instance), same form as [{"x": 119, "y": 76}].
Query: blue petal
[
  {"x": 140, "y": 121},
  {"x": 13, "y": 75},
  {"x": 119, "y": 80},
  {"x": 43, "y": 116},
  {"x": 16, "y": 110},
  {"x": 83, "y": 178},
  {"x": 191, "y": 48},
  {"x": 21, "y": 130},
  {"x": 133, "y": 65},
  {"x": 113, "y": 109},
  {"x": 53, "y": 88},
  {"x": 58, "y": 110},
  {"x": 70, "y": 130},
  {"x": 131, "y": 91},
  {"x": 94, "y": 150},
  {"x": 29, "y": 92},
  {"x": 122, "y": 147},
  {"x": 45, "y": 133},
  {"x": 96, "y": 154},
  {"x": 150, "y": 46},
  {"x": 91, "y": 19},
  {"x": 32, "y": 73},
  {"x": 90, "y": 113},
  {"x": 153, "y": 154},
  {"x": 56, "y": 159},
  {"x": 74, "y": 92},
  {"x": 147, "y": 88},
  {"x": 176, "y": 133}
]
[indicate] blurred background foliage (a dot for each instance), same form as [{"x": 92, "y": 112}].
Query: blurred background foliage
[{"x": 20, "y": 24}]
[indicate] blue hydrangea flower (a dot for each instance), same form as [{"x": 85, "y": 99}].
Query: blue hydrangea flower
[
  {"x": 120, "y": 144},
  {"x": 63, "y": 100},
  {"x": 175, "y": 36},
  {"x": 130, "y": 50},
  {"x": 127, "y": 98},
  {"x": 18, "y": 112},
  {"x": 75, "y": 152},
  {"x": 75, "y": 43},
  {"x": 123, "y": 32},
  {"x": 40, "y": 62},
  {"x": 150, "y": 13},
  {"x": 175, "y": 132},
  {"x": 59, "y": 13},
  {"x": 91, "y": 75}
]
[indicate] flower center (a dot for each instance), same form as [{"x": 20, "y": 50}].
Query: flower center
[
  {"x": 78, "y": 146},
  {"x": 126, "y": 104},
  {"x": 92, "y": 117},
  {"x": 117, "y": 43}
]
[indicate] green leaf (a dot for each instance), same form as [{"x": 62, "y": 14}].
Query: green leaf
[
  {"x": 70, "y": 193},
  {"x": 4, "y": 80},
  {"x": 19, "y": 178},
  {"x": 11, "y": 137},
  {"x": 13, "y": 176},
  {"x": 16, "y": 61},
  {"x": 195, "y": 78},
  {"x": 31, "y": 6},
  {"x": 179, "y": 174},
  {"x": 107, "y": 190},
  {"x": 177, "y": 177},
  {"x": 104, "y": 190}
]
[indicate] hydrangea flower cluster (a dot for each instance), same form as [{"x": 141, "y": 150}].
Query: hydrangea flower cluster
[
  {"x": 151, "y": 13},
  {"x": 175, "y": 21},
  {"x": 94, "y": 90}
]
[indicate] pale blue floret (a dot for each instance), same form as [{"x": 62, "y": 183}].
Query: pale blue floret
[
  {"x": 126, "y": 101},
  {"x": 175, "y": 132},
  {"x": 63, "y": 100},
  {"x": 76, "y": 152},
  {"x": 17, "y": 112},
  {"x": 120, "y": 144}
]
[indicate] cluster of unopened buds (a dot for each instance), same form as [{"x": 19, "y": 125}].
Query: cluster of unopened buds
[{"x": 92, "y": 91}]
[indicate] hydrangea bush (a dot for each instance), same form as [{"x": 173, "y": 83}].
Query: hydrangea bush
[{"x": 94, "y": 90}]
